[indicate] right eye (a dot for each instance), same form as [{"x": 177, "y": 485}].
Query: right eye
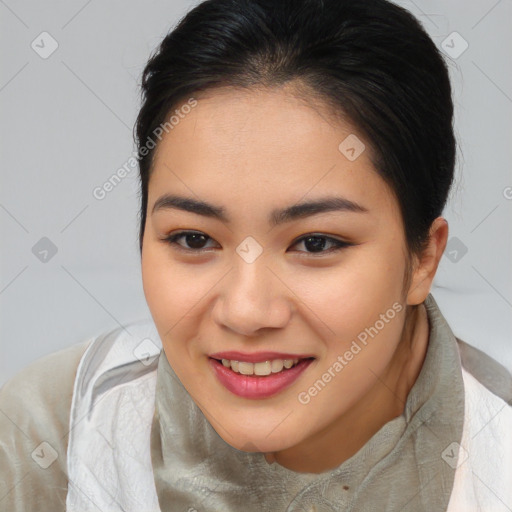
[{"x": 195, "y": 240}]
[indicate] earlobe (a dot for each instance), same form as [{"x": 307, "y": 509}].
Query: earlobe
[{"x": 427, "y": 262}]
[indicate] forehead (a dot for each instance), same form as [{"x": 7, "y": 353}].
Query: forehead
[
  {"x": 276, "y": 121},
  {"x": 265, "y": 143}
]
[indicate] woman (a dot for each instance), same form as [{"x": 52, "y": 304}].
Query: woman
[{"x": 295, "y": 160}]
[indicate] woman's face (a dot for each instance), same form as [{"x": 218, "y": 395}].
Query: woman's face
[{"x": 252, "y": 283}]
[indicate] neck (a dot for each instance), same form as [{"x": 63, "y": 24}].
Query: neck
[{"x": 383, "y": 402}]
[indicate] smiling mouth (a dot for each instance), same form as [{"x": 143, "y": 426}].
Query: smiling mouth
[{"x": 263, "y": 368}]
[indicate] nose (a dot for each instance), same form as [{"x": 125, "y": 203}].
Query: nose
[{"x": 252, "y": 298}]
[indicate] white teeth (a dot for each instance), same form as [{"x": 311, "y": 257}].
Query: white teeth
[
  {"x": 263, "y": 368},
  {"x": 277, "y": 365},
  {"x": 245, "y": 368}
]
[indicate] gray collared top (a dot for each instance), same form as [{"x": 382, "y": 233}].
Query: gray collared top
[{"x": 405, "y": 466}]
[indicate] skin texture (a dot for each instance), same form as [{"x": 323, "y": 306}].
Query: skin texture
[{"x": 250, "y": 152}]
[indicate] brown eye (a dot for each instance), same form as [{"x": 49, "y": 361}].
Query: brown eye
[
  {"x": 195, "y": 241},
  {"x": 315, "y": 244}
]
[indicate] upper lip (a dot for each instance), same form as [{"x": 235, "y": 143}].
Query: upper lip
[{"x": 256, "y": 357}]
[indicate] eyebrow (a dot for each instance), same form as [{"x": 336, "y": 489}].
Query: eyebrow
[{"x": 276, "y": 217}]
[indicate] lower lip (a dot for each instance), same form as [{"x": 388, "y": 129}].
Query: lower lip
[{"x": 255, "y": 387}]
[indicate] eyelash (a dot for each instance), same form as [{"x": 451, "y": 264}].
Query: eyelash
[{"x": 338, "y": 244}]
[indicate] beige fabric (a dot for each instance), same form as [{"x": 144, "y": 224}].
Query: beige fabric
[{"x": 34, "y": 409}]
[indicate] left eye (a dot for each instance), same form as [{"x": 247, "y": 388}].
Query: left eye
[
  {"x": 317, "y": 243},
  {"x": 314, "y": 243}
]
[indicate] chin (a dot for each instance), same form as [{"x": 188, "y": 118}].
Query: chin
[{"x": 258, "y": 442}]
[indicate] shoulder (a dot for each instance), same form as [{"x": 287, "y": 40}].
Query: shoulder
[
  {"x": 486, "y": 370},
  {"x": 485, "y": 449},
  {"x": 47, "y": 374},
  {"x": 34, "y": 417},
  {"x": 111, "y": 419}
]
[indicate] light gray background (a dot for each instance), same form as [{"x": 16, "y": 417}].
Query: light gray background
[{"x": 66, "y": 127}]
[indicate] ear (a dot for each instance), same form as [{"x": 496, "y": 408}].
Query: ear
[{"x": 426, "y": 264}]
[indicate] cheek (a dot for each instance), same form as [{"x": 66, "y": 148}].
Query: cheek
[
  {"x": 172, "y": 296},
  {"x": 170, "y": 290},
  {"x": 156, "y": 280},
  {"x": 351, "y": 296},
  {"x": 177, "y": 295},
  {"x": 361, "y": 304}
]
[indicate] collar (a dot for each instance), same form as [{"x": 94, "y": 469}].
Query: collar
[{"x": 402, "y": 467}]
